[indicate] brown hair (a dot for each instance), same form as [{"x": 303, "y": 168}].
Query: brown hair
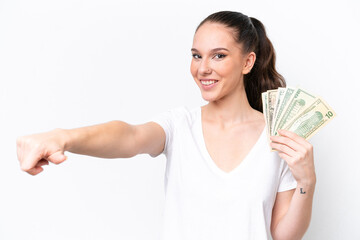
[{"x": 251, "y": 33}]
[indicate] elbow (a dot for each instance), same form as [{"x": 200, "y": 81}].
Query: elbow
[
  {"x": 274, "y": 237},
  {"x": 286, "y": 236}
]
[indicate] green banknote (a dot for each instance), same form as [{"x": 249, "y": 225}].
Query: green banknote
[
  {"x": 312, "y": 119},
  {"x": 271, "y": 101},
  {"x": 299, "y": 101},
  {"x": 284, "y": 94},
  {"x": 264, "y": 98},
  {"x": 296, "y": 110}
]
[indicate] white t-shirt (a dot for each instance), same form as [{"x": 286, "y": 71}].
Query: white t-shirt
[{"x": 203, "y": 202}]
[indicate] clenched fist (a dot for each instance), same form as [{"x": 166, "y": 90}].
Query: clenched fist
[{"x": 36, "y": 150}]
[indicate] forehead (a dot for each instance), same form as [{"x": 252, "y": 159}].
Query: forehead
[{"x": 213, "y": 35}]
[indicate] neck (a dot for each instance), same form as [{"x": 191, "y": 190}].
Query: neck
[{"x": 233, "y": 109}]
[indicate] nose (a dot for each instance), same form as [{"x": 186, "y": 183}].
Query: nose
[{"x": 204, "y": 67}]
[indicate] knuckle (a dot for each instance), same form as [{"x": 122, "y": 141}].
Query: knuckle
[
  {"x": 36, "y": 145},
  {"x": 29, "y": 141},
  {"x": 291, "y": 134},
  {"x": 18, "y": 140},
  {"x": 310, "y": 147},
  {"x": 26, "y": 140},
  {"x": 287, "y": 141},
  {"x": 291, "y": 164},
  {"x": 282, "y": 148},
  {"x": 297, "y": 158}
]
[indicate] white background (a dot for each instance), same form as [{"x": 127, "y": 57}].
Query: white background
[{"x": 71, "y": 63}]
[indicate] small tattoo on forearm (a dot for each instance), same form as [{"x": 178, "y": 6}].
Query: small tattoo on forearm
[{"x": 301, "y": 191}]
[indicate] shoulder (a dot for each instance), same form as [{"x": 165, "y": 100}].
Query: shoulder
[
  {"x": 184, "y": 113},
  {"x": 176, "y": 116},
  {"x": 258, "y": 123}
]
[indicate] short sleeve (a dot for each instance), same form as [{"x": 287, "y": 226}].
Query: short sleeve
[
  {"x": 165, "y": 120},
  {"x": 287, "y": 180}
]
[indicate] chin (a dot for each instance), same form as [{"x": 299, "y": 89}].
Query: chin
[{"x": 209, "y": 98}]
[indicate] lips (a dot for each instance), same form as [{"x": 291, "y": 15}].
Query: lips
[
  {"x": 208, "y": 83},
  {"x": 206, "y": 79}
]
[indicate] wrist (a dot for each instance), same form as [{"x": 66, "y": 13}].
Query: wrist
[
  {"x": 306, "y": 183},
  {"x": 64, "y": 138},
  {"x": 309, "y": 181}
]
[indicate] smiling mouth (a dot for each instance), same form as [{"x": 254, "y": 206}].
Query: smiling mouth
[{"x": 208, "y": 82}]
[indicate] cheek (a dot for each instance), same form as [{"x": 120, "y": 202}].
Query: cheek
[
  {"x": 193, "y": 68},
  {"x": 225, "y": 69},
  {"x": 232, "y": 70}
]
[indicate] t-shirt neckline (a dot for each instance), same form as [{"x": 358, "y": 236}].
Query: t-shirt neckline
[{"x": 211, "y": 162}]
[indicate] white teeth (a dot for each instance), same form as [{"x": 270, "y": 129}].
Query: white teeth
[{"x": 208, "y": 82}]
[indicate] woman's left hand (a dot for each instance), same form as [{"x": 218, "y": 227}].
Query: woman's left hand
[{"x": 298, "y": 153}]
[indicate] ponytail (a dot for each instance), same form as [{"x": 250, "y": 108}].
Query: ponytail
[
  {"x": 263, "y": 76},
  {"x": 251, "y": 33}
]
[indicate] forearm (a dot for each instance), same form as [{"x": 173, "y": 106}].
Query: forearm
[
  {"x": 114, "y": 139},
  {"x": 297, "y": 219}
]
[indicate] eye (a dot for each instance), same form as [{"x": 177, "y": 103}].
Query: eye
[
  {"x": 220, "y": 55},
  {"x": 195, "y": 55}
]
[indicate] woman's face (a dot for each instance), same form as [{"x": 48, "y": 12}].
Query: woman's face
[{"x": 216, "y": 56}]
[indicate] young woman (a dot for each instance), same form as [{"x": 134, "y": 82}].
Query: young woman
[{"x": 222, "y": 181}]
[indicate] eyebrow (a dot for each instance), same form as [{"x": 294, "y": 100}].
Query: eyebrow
[{"x": 213, "y": 50}]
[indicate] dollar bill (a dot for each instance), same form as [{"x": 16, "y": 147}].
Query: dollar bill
[
  {"x": 284, "y": 94},
  {"x": 299, "y": 101},
  {"x": 264, "y": 98},
  {"x": 296, "y": 110},
  {"x": 312, "y": 119},
  {"x": 271, "y": 101}
]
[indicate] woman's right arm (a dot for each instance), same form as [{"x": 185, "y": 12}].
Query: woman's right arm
[{"x": 114, "y": 139}]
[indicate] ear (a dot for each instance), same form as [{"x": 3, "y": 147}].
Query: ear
[{"x": 249, "y": 62}]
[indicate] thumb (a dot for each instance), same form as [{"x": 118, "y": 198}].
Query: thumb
[{"x": 57, "y": 157}]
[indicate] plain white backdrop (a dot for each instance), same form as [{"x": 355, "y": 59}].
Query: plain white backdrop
[{"x": 72, "y": 63}]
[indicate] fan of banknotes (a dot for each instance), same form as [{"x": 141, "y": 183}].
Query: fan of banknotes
[{"x": 296, "y": 110}]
